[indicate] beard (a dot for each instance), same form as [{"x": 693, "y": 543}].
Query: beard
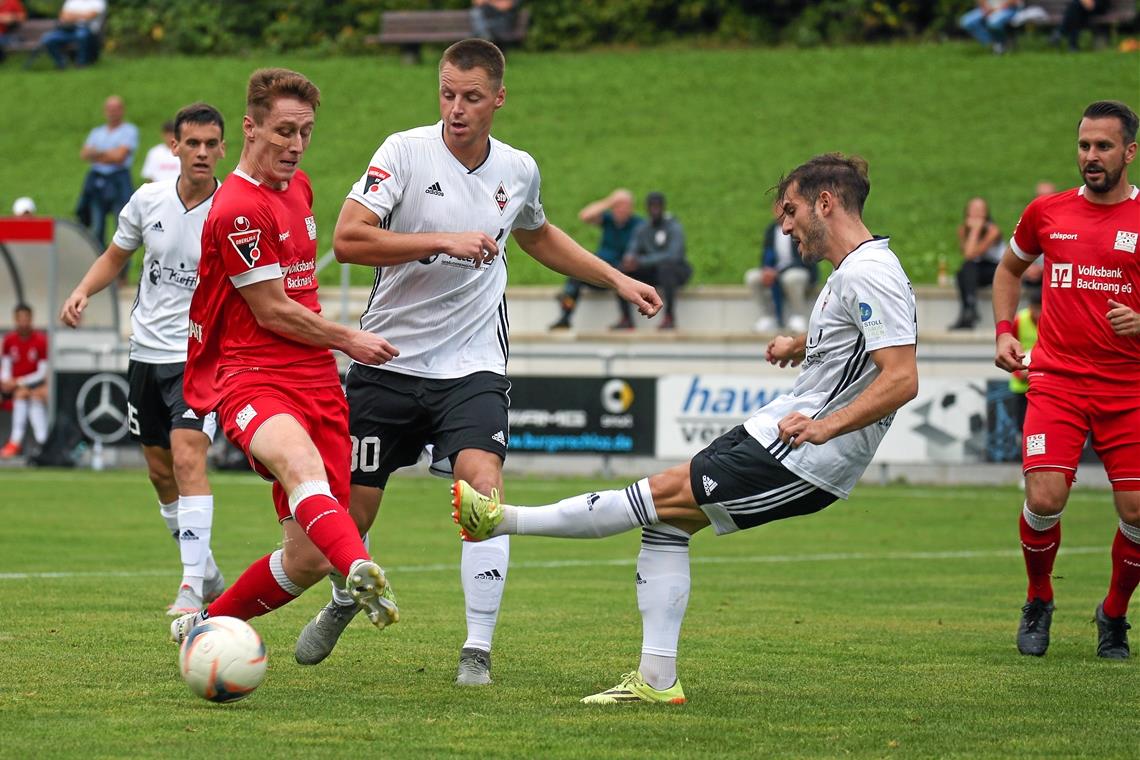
[
  {"x": 1109, "y": 179},
  {"x": 813, "y": 245}
]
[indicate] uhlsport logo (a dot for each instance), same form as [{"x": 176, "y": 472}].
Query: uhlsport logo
[{"x": 1061, "y": 276}]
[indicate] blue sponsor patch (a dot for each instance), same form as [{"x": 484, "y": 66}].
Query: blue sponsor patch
[{"x": 864, "y": 311}]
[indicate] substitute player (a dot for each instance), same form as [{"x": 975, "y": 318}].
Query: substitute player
[
  {"x": 1086, "y": 365},
  {"x": 432, "y": 213},
  {"x": 259, "y": 355},
  {"x": 23, "y": 378},
  {"x": 166, "y": 219},
  {"x": 794, "y": 456}
]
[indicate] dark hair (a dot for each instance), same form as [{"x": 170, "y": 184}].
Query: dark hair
[
  {"x": 966, "y": 209},
  {"x": 196, "y": 113},
  {"x": 1114, "y": 109},
  {"x": 267, "y": 85},
  {"x": 168, "y": 126},
  {"x": 843, "y": 176},
  {"x": 475, "y": 53},
  {"x": 21, "y": 306}
]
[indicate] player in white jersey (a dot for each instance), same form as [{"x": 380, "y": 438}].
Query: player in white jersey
[
  {"x": 794, "y": 456},
  {"x": 166, "y": 219},
  {"x": 432, "y": 213}
]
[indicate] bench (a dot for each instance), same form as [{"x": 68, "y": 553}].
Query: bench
[
  {"x": 411, "y": 29},
  {"x": 25, "y": 37},
  {"x": 1049, "y": 13}
]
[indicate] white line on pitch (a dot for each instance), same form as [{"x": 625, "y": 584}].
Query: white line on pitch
[{"x": 554, "y": 564}]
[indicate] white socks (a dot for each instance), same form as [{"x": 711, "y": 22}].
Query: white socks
[
  {"x": 662, "y": 596},
  {"x": 591, "y": 515},
  {"x": 37, "y": 415},
  {"x": 1040, "y": 523},
  {"x": 277, "y": 567},
  {"x": 483, "y": 571},
  {"x": 169, "y": 514},
  {"x": 195, "y": 519},
  {"x": 19, "y": 420}
]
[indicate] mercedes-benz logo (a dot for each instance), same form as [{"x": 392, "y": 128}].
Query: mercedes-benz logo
[{"x": 100, "y": 407}]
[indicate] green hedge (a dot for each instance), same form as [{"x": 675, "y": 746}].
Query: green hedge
[{"x": 214, "y": 26}]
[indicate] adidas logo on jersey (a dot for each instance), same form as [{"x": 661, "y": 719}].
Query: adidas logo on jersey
[
  {"x": 435, "y": 189},
  {"x": 489, "y": 575},
  {"x": 188, "y": 535},
  {"x": 641, "y": 581},
  {"x": 499, "y": 438},
  {"x": 709, "y": 484},
  {"x": 157, "y": 226}
]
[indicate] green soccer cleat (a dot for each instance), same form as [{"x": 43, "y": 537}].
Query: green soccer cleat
[
  {"x": 476, "y": 514},
  {"x": 633, "y": 688},
  {"x": 369, "y": 588}
]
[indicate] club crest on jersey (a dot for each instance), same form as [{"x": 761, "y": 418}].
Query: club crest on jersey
[
  {"x": 501, "y": 198},
  {"x": 246, "y": 244},
  {"x": 1125, "y": 241},
  {"x": 372, "y": 180}
]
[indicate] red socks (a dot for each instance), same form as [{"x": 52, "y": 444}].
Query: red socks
[
  {"x": 255, "y": 593},
  {"x": 1040, "y": 551},
  {"x": 1125, "y": 575},
  {"x": 331, "y": 529}
]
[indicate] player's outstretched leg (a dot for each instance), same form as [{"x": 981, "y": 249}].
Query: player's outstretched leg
[
  {"x": 370, "y": 590},
  {"x": 477, "y": 515},
  {"x": 319, "y": 636},
  {"x": 1040, "y": 540}
]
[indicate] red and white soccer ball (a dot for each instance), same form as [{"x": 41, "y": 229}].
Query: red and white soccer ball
[{"x": 222, "y": 660}]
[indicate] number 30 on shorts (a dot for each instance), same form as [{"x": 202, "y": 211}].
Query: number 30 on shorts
[{"x": 365, "y": 453}]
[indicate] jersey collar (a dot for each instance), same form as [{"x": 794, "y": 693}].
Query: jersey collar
[{"x": 1131, "y": 196}]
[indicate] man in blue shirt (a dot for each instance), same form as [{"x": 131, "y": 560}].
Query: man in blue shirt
[
  {"x": 614, "y": 214},
  {"x": 110, "y": 149}
]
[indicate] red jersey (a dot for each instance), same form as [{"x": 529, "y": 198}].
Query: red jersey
[
  {"x": 252, "y": 234},
  {"x": 24, "y": 354},
  {"x": 1090, "y": 257}
]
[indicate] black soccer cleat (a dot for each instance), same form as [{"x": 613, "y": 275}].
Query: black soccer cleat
[
  {"x": 1111, "y": 635},
  {"x": 1033, "y": 632}
]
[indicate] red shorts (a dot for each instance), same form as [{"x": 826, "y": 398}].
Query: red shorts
[
  {"x": 322, "y": 412},
  {"x": 1058, "y": 420}
]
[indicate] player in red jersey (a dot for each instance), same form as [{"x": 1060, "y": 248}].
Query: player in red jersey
[
  {"x": 1085, "y": 368},
  {"x": 258, "y": 354},
  {"x": 23, "y": 378}
]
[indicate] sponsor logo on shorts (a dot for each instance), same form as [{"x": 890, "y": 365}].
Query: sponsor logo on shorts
[
  {"x": 1061, "y": 276},
  {"x": 500, "y": 438},
  {"x": 1035, "y": 445},
  {"x": 245, "y": 416},
  {"x": 709, "y": 484},
  {"x": 640, "y": 581},
  {"x": 1125, "y": 241}
]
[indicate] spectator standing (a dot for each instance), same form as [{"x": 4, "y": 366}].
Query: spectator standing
[
  {"x": 614, "y": 214},
  {"x": 493, "y": 19},
  {"x": 23, "y": 378},
  {"x": 782, "y": 278},
  {"x": 79, "y": 23},
  {"x": 656, "y": 256},
  {"x": 160, "y": 162},
  {"x": 982, "y": 248},
  {"x": 988, "y": 22},
  {"x": 12, "y": 14},
  {"x": 110, "y": 149}
]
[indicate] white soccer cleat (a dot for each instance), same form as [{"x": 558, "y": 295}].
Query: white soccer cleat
[
  {"x": 367, "y": 585},
  {"x": 186, "y": 602},
  {"x": 180, "y": 628}
]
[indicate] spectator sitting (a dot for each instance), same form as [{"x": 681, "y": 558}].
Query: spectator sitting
[
  {"x": 987, "y": 23},
  {"x": 1025, "y": 330},
  {"x": 1036, "y": 271},
  {"x": 79, "y": 24},
  {"x": 12, "y": 14},
  {"x": 160, "y": 162},
  {"x": 982, "y": 248},
  {"x": 1078, "y": 13},
  {"x": 23, "y": 206},
  {"x": 614, "y": 214},
  {"x": 656, "y": 256},
  {"x": 110, "y": 149},
  {"x": 782, "y": 277},
  {"x": 23, "y": 378},
  {"x": 493, "y": 19}
]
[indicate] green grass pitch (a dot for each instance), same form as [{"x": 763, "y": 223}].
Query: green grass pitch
[{"x": 881, "y": 627}]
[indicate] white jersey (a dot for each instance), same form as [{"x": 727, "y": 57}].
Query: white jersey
[
  {"x": 866, "y": 304},
  {"x": 160, "y": 164},
  {"x": 172, "y": 234},
  {"x": 448, "y": 318}
]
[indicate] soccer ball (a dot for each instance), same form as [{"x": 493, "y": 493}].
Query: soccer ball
[{"x": 222, "y": 659}]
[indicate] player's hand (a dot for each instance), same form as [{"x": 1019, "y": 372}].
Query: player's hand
[
  {"x": 477, "y": 247},
  {"x": 72, "y": 309},
  {"x": 1124, "y": 321},
  {"x": 367, "y": 348},
  {"x": 798, "y": 429},
  {"x": 782, "y": 350},
  {"x": 643, "y": 296},
  {"x": 1009, "y": 354}
]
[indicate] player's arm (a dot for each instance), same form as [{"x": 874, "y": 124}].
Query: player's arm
[
  {"x": 277, "y": 312},
  {"x": 554, "y": 249},
  {"x": 896, "y": 384},
  {"x": 358, "y": 239},
  {"x": 1006, "y": 290},
  {"x": 102, "y": 273}
]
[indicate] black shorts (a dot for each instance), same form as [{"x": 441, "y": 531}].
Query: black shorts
[
  {"x": 392, "y": 416},
  {"x": 155, "y": 405},
  {"x": 739, "y": 485}
]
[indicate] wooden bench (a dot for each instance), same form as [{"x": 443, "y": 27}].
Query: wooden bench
[
  {"x": 1119, "y": 12},
  {"x": 411, "y": 29},
  {"x": 26, "y": 37}
]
